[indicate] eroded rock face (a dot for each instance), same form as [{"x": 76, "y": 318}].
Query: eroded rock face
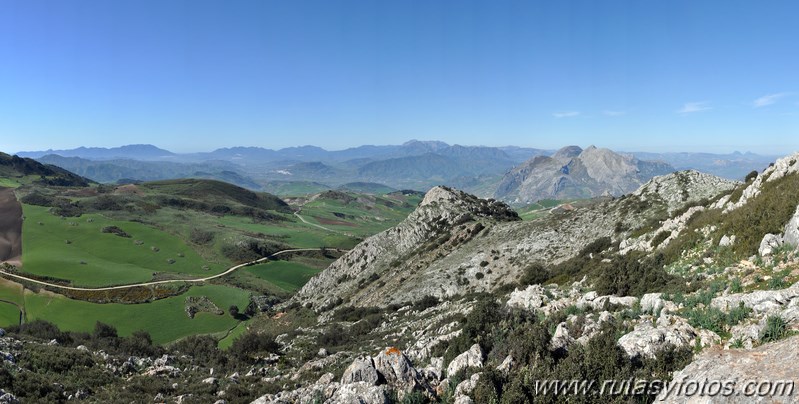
[
  {"x": 398, "y": 371},
  {"x": 473, "y": 358},
  {"x": 361, "y": 370},
  {"x": 777, "y": 361},
  {"x": 791, "y": 235},
  {"x": 360, "y": 392}
]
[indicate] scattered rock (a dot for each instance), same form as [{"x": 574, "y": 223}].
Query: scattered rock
[
  {"x": 531, "y": 298},
  {"x": 473, "y": 358},
  {"x": 647, "y": 339},
  {"x": 727, "y": 241}
]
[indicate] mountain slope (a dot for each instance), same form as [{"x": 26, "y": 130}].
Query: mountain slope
[
  {"x": 573, "y": 173},
  {"x": 455, "y": 243},
  {"x": 21, "y": 170}
]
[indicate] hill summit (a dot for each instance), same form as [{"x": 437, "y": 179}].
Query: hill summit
[{"x": 573, "y": 173}]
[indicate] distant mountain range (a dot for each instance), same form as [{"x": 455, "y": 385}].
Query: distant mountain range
[{"x": 420, "y": 165}]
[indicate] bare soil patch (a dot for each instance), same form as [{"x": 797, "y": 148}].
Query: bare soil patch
[
  {"x": 10, "y": 227},
  {"x": 130, "y": 189}
]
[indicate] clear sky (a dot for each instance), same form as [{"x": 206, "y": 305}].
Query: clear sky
[{"x": 197, "y": 75}]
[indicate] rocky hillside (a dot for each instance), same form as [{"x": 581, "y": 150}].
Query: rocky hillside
[
  {"x": 25, "y": 170},
  {"x": 576, "y": 173},
  {"x": 455, "y": 243}
]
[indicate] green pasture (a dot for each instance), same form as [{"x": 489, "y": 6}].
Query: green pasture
[
  {"x": 227, "y": 342},
  {"x": 9, "y": 314},
  {"x": 77, "y": 250},
  {"x": 289, "y": 276},
  {"x": 292, "y": 232},
  {"x": 9, "y": 183},
  {"x": 365, "y": 218},
  {"x": 164, "y": 319}
]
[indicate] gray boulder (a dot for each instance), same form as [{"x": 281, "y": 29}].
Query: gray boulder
[
  {"x": 647, "y": 340},
  {"x": 473, "y": 358},
  {"x": 769, "y": 243},
  {"x": 398, "y": 371},
  {"x": 652, "y": 303},
  {"x": 561, "y": 339},
  {"x": 791, "y": 235},
  {"x": 727, "y": 241},
  {"x": 361, "y": 370},
  {"x": 531, "y": 298}
]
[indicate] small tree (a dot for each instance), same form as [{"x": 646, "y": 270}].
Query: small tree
[{"x": 234, "y": 311}]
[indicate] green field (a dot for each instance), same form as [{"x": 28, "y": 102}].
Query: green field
[
  {"x": 9, "y": 314},
  {"x": 289, "y": 276},
  {"x": 240, "y": 329},
  {"x": 93, "y": 258},
  {"x": 9, "y": 183},
  {"x": 294, "y": 232},
  {"x": 164, "y": 319},
  {"x": 362, "y": 216}
]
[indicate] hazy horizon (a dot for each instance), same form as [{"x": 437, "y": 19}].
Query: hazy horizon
[{"x": 191, "y": 151}]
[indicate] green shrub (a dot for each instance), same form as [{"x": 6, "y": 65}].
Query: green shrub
[
  {"x": 775, "y": 330},
  {"x": 535, "y": 274},
  {"x": 660, "y": 238}
]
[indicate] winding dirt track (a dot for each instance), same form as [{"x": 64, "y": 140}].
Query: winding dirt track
[
  {"x": 134, "y": 285},
  {"x": 10, "y": 227}
]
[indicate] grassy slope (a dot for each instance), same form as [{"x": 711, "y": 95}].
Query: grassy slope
[
  {"x": 363, "y": 221},
  {"x": 289, "y": 276},
  {"x": 109, "y": 259},
  {"x": 9, "y": 183},
  {"x": 165, "y": 319}
]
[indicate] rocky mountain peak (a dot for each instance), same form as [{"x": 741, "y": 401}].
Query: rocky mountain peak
[
  {"x": 574, "y": 173},
  {"x": 567, "y": 153},
  {"x": 677, "y": 189},
  {"x": 441, "y": 194}
]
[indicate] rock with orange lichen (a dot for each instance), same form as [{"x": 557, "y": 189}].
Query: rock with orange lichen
[{"x": 398, "y": 371}]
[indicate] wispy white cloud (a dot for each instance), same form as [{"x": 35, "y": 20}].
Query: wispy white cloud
[
  {"x": 768, "y": 99},
  {"x": 565, "y": 114},
  {"x": 614, "y": 113},
  {"x": 691, "y": 107}
]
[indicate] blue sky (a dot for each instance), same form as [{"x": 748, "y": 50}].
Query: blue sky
[{"x": 197, "y": 75}]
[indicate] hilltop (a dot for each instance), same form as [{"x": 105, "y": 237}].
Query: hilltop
[
  {"x": 15, "y": 171},
  {"x": 574, "y": 173}
]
